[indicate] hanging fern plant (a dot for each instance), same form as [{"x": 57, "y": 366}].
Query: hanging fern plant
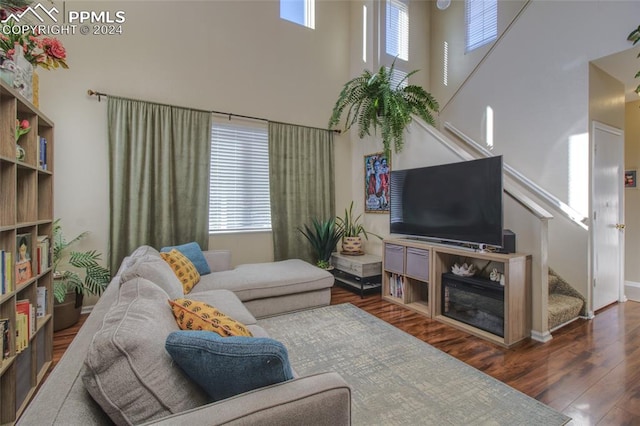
[
  {"x": 373, "y": 100},
  {"x": 634, "y": 36}
]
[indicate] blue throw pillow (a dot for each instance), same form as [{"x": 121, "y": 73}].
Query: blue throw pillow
[
  {"x": 193, "y": 252},
  {"x": 228, "y": 366}
]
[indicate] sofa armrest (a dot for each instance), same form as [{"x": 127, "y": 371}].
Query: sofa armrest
[
  {"x": 322, "y": 399},
  {"x": 218, "y": 260}
]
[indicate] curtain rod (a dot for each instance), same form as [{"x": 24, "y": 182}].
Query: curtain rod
[{"x": 99, "y": 95}]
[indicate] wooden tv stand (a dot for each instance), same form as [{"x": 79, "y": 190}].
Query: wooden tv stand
[{"x": 412, "y": 277}]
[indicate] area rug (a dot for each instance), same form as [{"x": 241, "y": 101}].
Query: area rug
[{"x": 397, "y": 379}]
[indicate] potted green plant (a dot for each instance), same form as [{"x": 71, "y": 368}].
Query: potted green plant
[
  {"x": 373, "y": 100},
  {"x": 352, "y": 230},
  {"x": 69, "y": 287},
  {"x": 323, "y": 236}
]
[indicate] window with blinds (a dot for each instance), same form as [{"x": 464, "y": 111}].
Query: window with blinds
[
  {"x": 239, "y": 176},
  {"x": 481, "y": 22},
  {"x": 397, "y": 29},
  {"x": 398, "y": 78},
  {"x": 301, "y": 12}
]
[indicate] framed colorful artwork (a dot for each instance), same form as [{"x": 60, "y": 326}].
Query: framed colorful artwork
[
  {"x": 630, "y": 179},
  {"x": 377, "y": 169}
]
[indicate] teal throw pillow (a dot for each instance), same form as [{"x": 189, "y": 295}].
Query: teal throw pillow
[
  {"x": 228, "y": 366},
  {"x": 193, "y": 252}
]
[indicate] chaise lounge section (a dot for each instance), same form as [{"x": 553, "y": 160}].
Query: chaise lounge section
[
  {"x": 269, "y": 288},
  {"x": 117, "y": 369}
]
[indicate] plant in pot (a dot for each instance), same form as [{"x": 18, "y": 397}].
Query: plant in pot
[
  {"x": 323, "y": 236},
  {"x": 69, "y": 287},
  {"x": 374, "y": 100},
  {"x": 352, "y": 230}
]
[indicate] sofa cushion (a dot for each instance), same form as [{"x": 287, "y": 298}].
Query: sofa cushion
[
  {"x": 183, "y": 268},
  {"x": 156, "y": 270},
  {"x": 227, "y": 302},
  {"x": 193, "y": 252},
  {"x": 128, "y": 371},
  {"x": 141, "y": 251},
  {"x": 227, "y": 366},
  {"x": 262, "y": 280},
  {"x": 195, "y": 315},
  {"x": 144, "y": 250}
]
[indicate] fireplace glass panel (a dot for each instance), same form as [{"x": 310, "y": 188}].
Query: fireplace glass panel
[{"x": 474, "y": 301}]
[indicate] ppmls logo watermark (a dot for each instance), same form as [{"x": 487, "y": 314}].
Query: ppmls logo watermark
[{"x": 42, "y": 20}]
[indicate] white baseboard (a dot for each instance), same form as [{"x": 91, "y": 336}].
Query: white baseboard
[
  {"x": 632, "y": 290},
  {"x": 541, "y": 337}
]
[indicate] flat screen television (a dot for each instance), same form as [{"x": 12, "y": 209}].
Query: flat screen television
[{"x": 457, "y": 202}]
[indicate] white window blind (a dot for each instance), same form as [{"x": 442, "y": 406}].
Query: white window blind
[
  {"x": 397, "y": 29},
  {"x": 301, "y": 12},
  {"x": 397, "y": 77},
  {"x": 481, "y": 22},
  {"x": 239, "y": 176}
]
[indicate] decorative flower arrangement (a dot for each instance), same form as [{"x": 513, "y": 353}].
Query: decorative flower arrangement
[
  {"x": 47, "y": 52},
  {"x": 22, "y": 128}
]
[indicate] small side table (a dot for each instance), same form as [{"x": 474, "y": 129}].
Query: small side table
[{"x": 359, "y": 273}]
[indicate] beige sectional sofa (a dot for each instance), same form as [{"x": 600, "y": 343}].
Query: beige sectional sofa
[{"x": 117, "y": 368}]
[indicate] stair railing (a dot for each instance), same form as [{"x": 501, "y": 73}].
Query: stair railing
[{"x": 563, "y": 208}]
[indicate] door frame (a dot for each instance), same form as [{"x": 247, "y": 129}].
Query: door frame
[{"x": 596, "y": 125}]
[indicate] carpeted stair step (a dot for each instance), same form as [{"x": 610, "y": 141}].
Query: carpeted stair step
[{"x": 565, "y": 302}]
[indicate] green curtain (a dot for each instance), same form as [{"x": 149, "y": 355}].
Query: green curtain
[
  {"x": 301, "y": 170},
  {"x": 158, "y": 175}
]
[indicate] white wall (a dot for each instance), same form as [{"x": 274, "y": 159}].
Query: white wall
[
  {"x": 231, "y": 56},
  {"x": 447, "y": 27}
]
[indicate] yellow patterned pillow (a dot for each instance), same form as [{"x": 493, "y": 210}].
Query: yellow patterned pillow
[
  {"x": 183, "y": 268},
  {"x": 194, "y": 315}
]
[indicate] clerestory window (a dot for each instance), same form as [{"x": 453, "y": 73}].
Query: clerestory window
[
  {"x": 301, "y": 12},
  {"x": 481, "y": 22}
]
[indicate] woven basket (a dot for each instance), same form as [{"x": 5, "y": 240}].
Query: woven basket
[{"x": 352, "y": 245}]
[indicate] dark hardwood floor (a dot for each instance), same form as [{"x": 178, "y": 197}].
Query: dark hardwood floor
[{"x": 590, "y": 370}]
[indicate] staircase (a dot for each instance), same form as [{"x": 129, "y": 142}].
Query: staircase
[
  {"x": 545, "y": 236},
  {"x": 565, "y": 303}
]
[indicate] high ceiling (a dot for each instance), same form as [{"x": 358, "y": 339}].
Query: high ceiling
[{"x": 623, "y": 66}]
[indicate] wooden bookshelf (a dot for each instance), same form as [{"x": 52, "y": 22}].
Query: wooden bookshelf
[{"x": 26, "y": 209}]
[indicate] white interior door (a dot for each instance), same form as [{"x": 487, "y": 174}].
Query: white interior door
[{"x": 607, "y": 216}]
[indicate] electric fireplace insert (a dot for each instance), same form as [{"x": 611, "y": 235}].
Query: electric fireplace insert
[{"x": 475, "y": 301}]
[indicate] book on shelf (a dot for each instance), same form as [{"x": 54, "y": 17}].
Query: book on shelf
[
  {"x": 42, "y": 152},
  {"x": 23, "y": 258},
  {"x": 8, "y": 271},
  {"x": 33, "y": 322},
  {"x": 396, "y": 285},
  {"x": 18, "y": 327},
  {"x": 6, "y": 274},
  {"x": 21, "y": 332},
  {"x": 42, "y": 254},
  {"x": 3, "y": 273},
  {"x": 4, "y": 335},
  {"x": 41, "y": 302},
  {"x": 26, "y": 323}
]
